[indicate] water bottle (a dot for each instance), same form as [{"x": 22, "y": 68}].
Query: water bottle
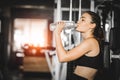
[{"x": 68, "y": 25}]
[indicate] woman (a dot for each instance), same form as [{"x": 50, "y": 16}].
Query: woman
[{"x": 87, "y": 53}]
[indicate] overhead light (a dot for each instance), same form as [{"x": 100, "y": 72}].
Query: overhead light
[{"x": 31, "y": 6}]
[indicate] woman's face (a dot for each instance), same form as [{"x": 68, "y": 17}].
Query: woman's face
[{"x": 84, "y": 24}]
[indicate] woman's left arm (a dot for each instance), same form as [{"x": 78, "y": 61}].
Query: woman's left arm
[{"x": 78, "y": 51}]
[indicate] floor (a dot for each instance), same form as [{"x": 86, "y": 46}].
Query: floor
[
  {"x": 31, "y": 64},
  {"x": 17, "y": 75}
]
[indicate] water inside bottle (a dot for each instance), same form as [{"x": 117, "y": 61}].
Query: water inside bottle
[{"x": 70, "y": 25}]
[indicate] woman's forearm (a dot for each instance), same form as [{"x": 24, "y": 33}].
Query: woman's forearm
[{"x": 61, "y": 52}]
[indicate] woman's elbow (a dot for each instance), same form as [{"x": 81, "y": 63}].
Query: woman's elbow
[{"x": 62, "y": 60}]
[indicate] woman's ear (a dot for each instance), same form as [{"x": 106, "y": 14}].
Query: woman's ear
[{"x": 93, "y": 25}]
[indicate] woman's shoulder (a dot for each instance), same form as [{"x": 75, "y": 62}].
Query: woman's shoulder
[
  {"x": 94, "y": 46},
  {"x": 91, "y": 42}
]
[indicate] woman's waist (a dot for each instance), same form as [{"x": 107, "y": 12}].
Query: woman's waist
[{"x": 85, "y": 72}]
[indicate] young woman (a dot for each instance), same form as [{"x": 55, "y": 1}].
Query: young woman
[{"x": 87, "y": 53}]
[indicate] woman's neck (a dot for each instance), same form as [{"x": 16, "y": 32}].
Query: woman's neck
[{"x": 87, "y": 35}]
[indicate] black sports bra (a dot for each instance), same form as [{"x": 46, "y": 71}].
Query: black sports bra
[{"x": 93, "y": 62}]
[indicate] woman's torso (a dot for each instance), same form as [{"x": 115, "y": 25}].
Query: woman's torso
[{"x": 88, "y": 64}]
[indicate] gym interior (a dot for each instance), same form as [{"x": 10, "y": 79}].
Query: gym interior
[{"x": 27, "y": 46}]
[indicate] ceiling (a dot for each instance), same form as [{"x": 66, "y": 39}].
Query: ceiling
[{"x": 47, "y": 3}]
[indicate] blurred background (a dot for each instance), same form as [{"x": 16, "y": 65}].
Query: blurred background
[{"x": 27, "y": 48}]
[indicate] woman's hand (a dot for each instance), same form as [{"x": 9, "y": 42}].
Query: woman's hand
[{"x": 59, "y": 27}]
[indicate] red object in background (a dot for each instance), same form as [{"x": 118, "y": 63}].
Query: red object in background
[{"x": 31, "y": 50}]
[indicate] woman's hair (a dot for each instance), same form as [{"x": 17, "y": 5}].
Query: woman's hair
[{"x": 98, "y": 31}]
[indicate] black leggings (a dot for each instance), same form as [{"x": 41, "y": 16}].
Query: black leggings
[{"x": 76, "y": 77}]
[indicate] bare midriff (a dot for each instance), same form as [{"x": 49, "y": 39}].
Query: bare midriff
[{"x": 86, "y": 72}]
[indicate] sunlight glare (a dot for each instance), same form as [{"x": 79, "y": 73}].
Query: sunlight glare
[{"x": 30, "y": 31}]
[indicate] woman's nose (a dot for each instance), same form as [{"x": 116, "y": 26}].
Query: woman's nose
[{"x": 78, "y": 22}]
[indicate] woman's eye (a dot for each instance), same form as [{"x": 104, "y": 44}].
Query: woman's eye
[{"x": 82, "y": 20}]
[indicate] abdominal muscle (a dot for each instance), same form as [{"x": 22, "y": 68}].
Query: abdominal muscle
[{"x": 86, "y": 72}]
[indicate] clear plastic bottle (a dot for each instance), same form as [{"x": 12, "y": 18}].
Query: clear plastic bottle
[{"x": 68, "y": 25}]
